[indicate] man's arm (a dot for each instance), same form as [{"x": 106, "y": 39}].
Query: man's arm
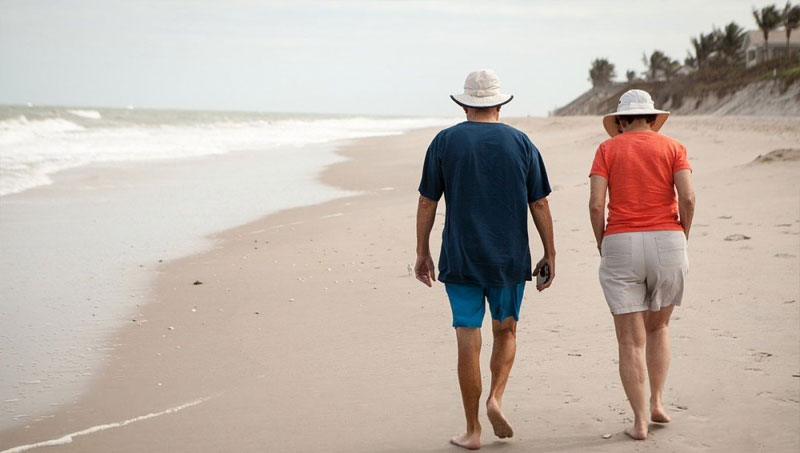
[
  {"x": 683, "y": 182},
  {"x": 540, "y": 210},
  {"x": 597, "y": 207},
  {"x": 426, "y": 214}
]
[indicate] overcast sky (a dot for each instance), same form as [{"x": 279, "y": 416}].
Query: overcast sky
[{"x": 371, "y": 57}]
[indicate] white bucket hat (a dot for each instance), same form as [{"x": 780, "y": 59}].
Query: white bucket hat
[
  {"x": 634, "y": 102},
  {"x": 482, "y": 90}
]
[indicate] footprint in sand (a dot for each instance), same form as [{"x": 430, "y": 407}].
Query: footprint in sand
[
  {"x": 737, "y": 237},
  {"x": 760, "y": 356}
]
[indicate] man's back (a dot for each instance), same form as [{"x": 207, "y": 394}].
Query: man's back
[{"x": 488, "y": 173}]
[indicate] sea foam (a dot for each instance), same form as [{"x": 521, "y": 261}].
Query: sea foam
[
  {"x": 91, "y": 114},
  {"x": 32, "y": 150}
]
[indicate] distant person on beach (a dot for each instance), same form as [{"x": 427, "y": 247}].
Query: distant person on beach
[
  {"x": 490, "y": 175},
  {"x": 643, "y": 244}
]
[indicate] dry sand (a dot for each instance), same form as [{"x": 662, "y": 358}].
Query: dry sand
[{"x": 308, "y": 334}]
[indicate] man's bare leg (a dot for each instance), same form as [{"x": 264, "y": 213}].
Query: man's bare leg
[
  {"x": 504, "y": 349},
  {"x": 631, "y": 337},
  {"x": 658, "y": 350},
  {"x": 469, "y": 378}
]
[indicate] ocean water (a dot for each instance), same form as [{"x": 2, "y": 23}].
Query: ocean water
[
  {"x": 91, "y": 200},
  {"x": 36, "y": 142}
]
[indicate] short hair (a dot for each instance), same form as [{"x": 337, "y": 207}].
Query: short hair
[{"x": 651, "y": 118}]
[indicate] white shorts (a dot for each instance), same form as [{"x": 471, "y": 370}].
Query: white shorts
[{"x": 644, "y": 270}]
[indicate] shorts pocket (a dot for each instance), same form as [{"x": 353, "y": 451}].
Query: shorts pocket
[
  {"x": 616, "y": 251},
  {"x": 672, "y": 250}
]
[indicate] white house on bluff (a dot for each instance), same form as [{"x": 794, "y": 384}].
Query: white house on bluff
[{"x": 754, "y": 45}]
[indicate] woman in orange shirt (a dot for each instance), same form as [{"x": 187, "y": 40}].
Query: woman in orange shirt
[{"x": 643, "y": 243}]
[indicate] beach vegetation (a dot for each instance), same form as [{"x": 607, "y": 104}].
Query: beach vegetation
[
  {"x": 790, "y": 20},
  {"x": 704, "y": 45},
  {"x": 660, "y": 66},
  {"x": 717, "y": 64},
  {"x": 601, "y": 72},
  {"x": 768, "y": 19}
]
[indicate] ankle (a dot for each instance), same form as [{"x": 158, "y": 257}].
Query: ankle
[{"x": 473, "y": 428}]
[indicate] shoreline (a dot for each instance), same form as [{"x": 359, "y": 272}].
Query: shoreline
[
  {"x": 104, "y": 231},
  {"x": 308, "y": 314}
]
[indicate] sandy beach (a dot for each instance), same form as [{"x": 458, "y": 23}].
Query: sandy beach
[{"x": 308, "y": 332}]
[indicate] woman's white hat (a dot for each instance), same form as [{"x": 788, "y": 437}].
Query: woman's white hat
[
  {"x": 482, "y": 90},
  {"x": 634, "y": 102}
]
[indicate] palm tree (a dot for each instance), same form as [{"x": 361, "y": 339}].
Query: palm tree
[
  {"x": 729, "y": 44},
  {"x": 704, "y": 46},
  {"x": 767, "y": 19},
  {"x": 791, "y": 20},
  {"x": 630, "y": 75},
  {"x": 601, "y": 72},
  {"x": 690, "y": 60},
  {"x": 658, "y": 61}
]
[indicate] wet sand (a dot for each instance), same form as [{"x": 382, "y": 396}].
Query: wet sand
[{"x": 308, "y": 333}]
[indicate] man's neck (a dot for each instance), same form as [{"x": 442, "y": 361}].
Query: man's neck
[{"x": 483, "y": 118}]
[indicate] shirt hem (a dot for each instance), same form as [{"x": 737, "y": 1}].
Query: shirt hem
[
  {"x": 456, "y": 281},
  {"x": 652, "y": 228},
  {"x": 427, "y": 195}
]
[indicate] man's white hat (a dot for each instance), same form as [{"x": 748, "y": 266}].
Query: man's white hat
[
  {"x": 634, "y": 102},
  {"x": 482, "y": 90}
]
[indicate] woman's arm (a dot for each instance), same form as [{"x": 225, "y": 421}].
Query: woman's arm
[
  {"x": 597, "y": 207},
  {"x": 686, "y": 200}
]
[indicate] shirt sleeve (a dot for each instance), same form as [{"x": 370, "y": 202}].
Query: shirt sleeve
[
  {"x": 432, "y": 184},
  {"x": 538, "y": 184},
  {"x": 599, "y": 166},
  {"x": 681, "y": 161}
]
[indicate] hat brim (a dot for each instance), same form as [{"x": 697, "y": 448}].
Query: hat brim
[
  {"x": 465, "y": 100},
  {"x": 610, "y": 120}
]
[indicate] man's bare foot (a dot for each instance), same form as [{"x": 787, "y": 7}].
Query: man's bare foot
[
  {"x": 637, "y": 432},
  {"x": 470, "y": 441},
  {"x": 659, "y": 415},
  {"x": 502, "y": 428}
]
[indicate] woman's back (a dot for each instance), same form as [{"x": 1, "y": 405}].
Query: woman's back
[{"x": 639, "y": 167}]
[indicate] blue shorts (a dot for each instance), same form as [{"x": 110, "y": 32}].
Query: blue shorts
[{"x": 467, "y": 302}]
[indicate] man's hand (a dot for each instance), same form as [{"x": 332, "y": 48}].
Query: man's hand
[
  {"x": 551, "y": 263},
  {"x": 424, "y": 270},
  {"x": 540, "y": 210}
]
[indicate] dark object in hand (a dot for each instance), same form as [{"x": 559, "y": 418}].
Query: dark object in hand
[{"x": 543, "y": 276}]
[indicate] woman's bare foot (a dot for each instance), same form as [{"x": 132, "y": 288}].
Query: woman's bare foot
[
  {"x": 502, "y": 428},
  {"x": 470, "y": 441},
  {"x": 657, "y": 412},
  {"x": 637, "y": 431},
  {"x": 659, "y": 415}
]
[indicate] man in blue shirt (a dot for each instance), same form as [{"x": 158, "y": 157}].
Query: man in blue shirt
[{"x": 490, "y": 175}]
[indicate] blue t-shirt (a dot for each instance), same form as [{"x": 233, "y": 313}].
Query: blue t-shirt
[{"x": 488, "y": 173}]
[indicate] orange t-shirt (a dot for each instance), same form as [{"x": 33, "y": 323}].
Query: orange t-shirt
[{"x": 640, "y": 168}]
